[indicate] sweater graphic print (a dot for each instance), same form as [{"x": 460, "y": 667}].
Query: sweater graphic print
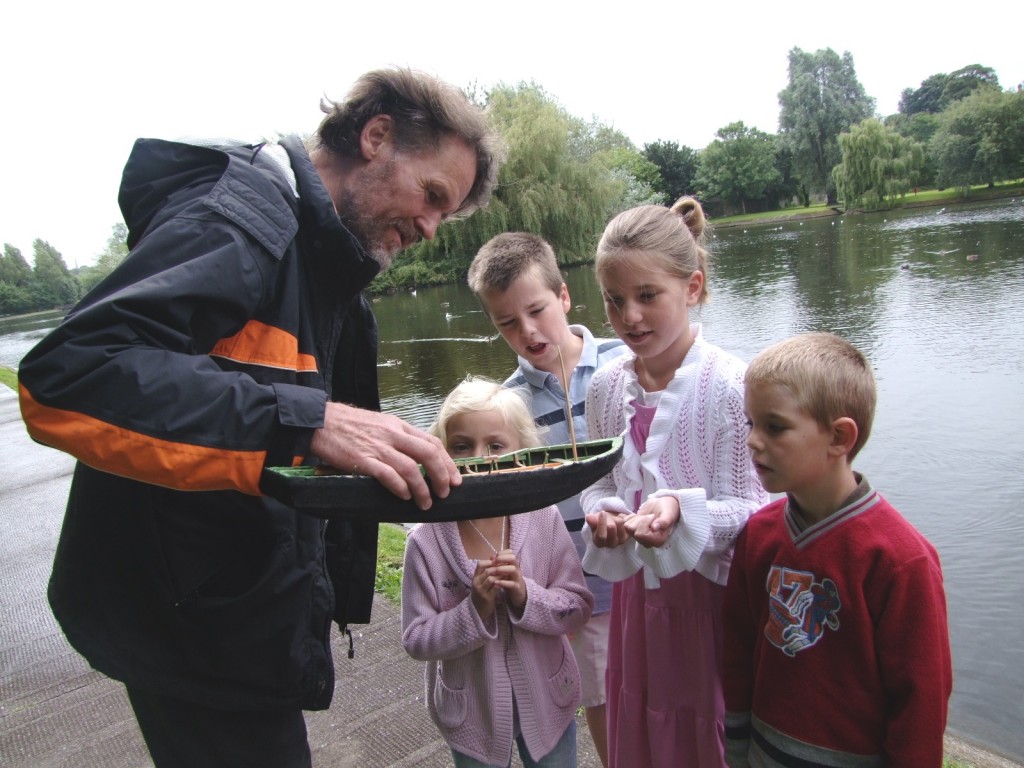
[{"x": 799, "y": 609}]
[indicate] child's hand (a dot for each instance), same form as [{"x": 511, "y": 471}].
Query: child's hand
[
  {"x": 608, "y": 529},
  {"x": 654, "y": 522},
  {"x": 485, "y": 589},
  {"x": 505, "y": 568}
]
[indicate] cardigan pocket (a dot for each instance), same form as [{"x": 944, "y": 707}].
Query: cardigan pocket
[
  {"x": 451, "y": 704},
  {"x": 565, "y": 684}
]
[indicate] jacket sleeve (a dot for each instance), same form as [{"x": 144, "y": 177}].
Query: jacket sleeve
[
  {"x": 431, "y": 629},
  {"x": 127, "y": 385}
]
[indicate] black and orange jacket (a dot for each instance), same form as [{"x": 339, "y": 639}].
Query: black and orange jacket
[{"x": 206, "y": 356}]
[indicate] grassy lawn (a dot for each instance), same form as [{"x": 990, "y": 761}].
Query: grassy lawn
[
  {"x": 925, "y": 197},
  {"x": 9, "y": 378},
  {"x": 390, "y": 552}
]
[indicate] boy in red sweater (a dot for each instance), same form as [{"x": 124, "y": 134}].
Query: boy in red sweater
[{"x": 836, "y": 641}]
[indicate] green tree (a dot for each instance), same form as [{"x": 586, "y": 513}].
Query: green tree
[
  {"x": 940, "y": 90},
  {"x": 52, "y": 284},
  {"x": 637, "y": 177},
  {"x": 633, "y": 176},
  {"x": 677, "y": 166},
  {"x": 115, "y": 252},
  {"x": 738, "y": 166},
  {"x": 823, "y": 99},
  {"x": 15, "y": 278},
  {"x": 878, "y": 165},
  {"x": 925, "y": 99},
  {"x": 980, "y": 139},
  {"x": 14, "y": 270},
  {"x": 789, "y": 186},
  {"x": 966, "y": 80}
]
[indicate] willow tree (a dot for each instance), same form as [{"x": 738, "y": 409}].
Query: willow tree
[
  {"x": 878, "y": 166},
  {"x": 823, "y": 99},
  {"x": 547, "y": 186}
]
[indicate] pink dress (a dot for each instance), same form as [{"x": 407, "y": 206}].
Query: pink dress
[{"x": 665, "y": 703}]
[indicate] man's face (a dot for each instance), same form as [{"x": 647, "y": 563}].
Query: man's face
[{"x": 396, "y": 198}]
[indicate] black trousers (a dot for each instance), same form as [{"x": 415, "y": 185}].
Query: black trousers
[{"x": 182, "y": 734}]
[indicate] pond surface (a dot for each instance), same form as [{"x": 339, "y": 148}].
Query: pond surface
[{"x": 933, "y": 297}]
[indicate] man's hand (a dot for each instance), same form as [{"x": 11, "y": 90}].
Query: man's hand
[{"x": 387, "y": 449}]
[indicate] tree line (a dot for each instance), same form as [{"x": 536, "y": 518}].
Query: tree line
[{"x": 565, "y": 177}]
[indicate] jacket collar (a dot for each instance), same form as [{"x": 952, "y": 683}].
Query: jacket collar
[{"x": 334, "y": 248}]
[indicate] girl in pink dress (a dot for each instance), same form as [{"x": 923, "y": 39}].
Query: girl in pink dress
[{"x": 663, "y": 522}]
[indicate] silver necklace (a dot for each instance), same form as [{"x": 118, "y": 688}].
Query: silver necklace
[{"x": 487, "y": 541}]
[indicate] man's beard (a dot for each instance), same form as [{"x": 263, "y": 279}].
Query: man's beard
[{"x": 370, "y": 230}]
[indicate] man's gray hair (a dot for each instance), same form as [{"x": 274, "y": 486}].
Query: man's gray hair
[{"x": 424, "y": 110}]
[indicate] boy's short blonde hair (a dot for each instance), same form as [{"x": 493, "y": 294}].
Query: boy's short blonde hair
[
  {"x": 477, "y": 393},
  {"x": 827, "y": 375},
  {"x": 507, "y": 257}
]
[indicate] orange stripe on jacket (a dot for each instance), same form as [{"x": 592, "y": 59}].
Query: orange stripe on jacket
[
  {"x": 141, "y": 457},
  {"x": 261, "y": 344}
]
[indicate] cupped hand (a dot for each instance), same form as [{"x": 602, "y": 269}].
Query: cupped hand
[
  {"x": 388, "y": 449},
  {"x": 485, "y": 589},
  {"x": 654, "y": 521},
  {"x": 505, "y": 569},
  {"x": 608, "y": 529}
]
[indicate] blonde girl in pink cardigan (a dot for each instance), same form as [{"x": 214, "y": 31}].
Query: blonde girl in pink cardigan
[{"x": 488, "y": 603}]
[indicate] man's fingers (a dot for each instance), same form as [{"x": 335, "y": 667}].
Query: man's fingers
[
  {"x": 387, "y": 449},
  {"x": 427, "y": 450}
]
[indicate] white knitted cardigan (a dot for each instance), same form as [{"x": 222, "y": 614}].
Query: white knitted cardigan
[{"x": 696, "y": 452}]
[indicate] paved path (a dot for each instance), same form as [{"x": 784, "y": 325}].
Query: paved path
[{"x": 57, "y": 712}]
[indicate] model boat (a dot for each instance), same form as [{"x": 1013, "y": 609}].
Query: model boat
[{"x": 491, "y": 485}]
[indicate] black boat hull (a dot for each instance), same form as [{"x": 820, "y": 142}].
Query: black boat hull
[{"x": 488, "y": 492}]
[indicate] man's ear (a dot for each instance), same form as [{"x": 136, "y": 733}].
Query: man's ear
[
  {"x": 844, "y": 435},
  {"x": 376, "y": 134}
]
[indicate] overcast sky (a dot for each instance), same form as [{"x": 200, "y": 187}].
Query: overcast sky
[{"x": 80, "y": 81}]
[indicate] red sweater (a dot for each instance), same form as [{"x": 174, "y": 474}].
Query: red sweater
[{"x": 836, "y": 641}]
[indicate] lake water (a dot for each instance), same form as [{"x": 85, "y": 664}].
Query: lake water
[{"x": 933, "y": 297}]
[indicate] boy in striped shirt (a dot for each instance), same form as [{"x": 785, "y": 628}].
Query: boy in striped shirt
[{"x": 516, "y": 277}]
